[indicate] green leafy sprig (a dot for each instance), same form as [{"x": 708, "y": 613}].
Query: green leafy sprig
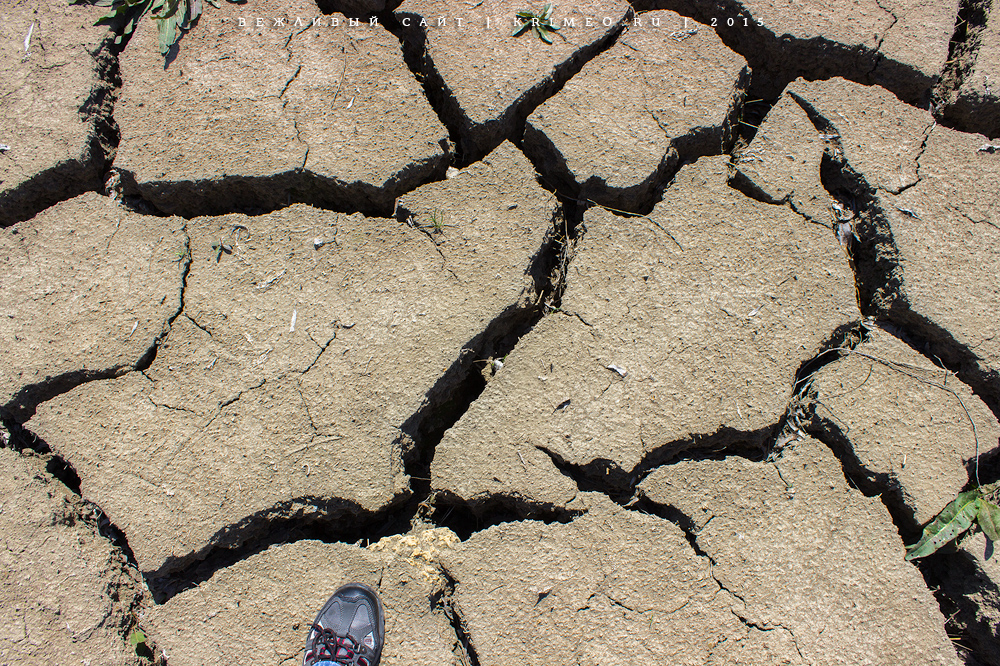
[
  {"x": 171, "y": 16},
  {"x": 539, "y": 22},
  {"x": 960, "y": 515}
]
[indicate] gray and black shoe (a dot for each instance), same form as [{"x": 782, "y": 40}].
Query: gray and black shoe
[{"x": 349, "y": 630}]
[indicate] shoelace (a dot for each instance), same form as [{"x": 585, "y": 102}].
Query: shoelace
[{"x": 340, "y": 649}]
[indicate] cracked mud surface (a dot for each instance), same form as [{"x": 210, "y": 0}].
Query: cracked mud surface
[
  {"x": 301, "y": 366},
  {"x": 800, "y": 550},
  {"x": 483, "y": 80},
  {"x": 706, "y": 353},
  {"x": 68, "y": 592},
  {"x": 619, "y": 149},
  {"x": 85, "y": 255},
  {"x": 57, "y": 136},
  {"x": 653, "y": 345},
  {"x": 341, "y": 125}
]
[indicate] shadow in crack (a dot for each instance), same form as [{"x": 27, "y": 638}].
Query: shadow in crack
[
  {"x": 258, "y": 195},
  {"x": 880, "y": 275},
  {"x": 22, "y": 440},
  {"x": 465, "y": 518},
  {"x": 867, "y": 481},
  {"x": 969, "y": 599},
  {"x": 607, "y": 477},
  {"x": 465, "y": 380},
  {"x": 87, "y": 172},
  {"x": 443, "y": 600},
  {"x": 874, "y": 257},
  {"x": 940, "y": 346},
  {"x": 972, "y": 113},
  {"x": 638, "y": 197},
  {"x": 643, "y": 504},
  {"x": 23, "y": 404},
  {"x": 327, "y": 520}
]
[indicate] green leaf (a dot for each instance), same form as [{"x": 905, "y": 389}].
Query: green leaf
[
  {"x": 214, "y": 3},
  {"x": 192, "y": 13},
  {"x": 951, "y": 522},
  {"x": 136, "y": 637},
  {"x": 168, "y": 8},
  {"x": 194, "y": 10},
  {"x": 539, "y": 22},
  {"x": 168, "y": 33},
  {"x": 989, "y": 519}
]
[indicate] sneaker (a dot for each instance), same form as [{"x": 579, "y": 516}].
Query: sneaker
[{"x": 350, "y": 629}]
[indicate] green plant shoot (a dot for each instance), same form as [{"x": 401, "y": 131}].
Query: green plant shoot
[
  {"x": 171, "y": 16},
  {"x": 437, "y": 221},
  {"x": 539, "y": 22},
  {"x": 960, "y": 515}
]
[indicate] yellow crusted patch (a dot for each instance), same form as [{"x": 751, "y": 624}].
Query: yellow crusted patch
[{"x": 420, "y": 549}]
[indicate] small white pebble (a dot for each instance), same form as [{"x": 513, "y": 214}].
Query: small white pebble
[
  {"x": 620, "y": 370},
  {"x": 844, "y": 233}
]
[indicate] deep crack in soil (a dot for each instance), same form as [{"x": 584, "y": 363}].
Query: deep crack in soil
[
  {"x": 963, "y": 49},
  {"x": 878, "y": 269},
  {"x": 444, "y": 600},
  {"x": 22, "y": 439},
  {"x": 783, "y": 58}
]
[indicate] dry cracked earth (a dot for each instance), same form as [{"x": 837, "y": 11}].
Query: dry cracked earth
[{"x": 651, "y": 345}]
